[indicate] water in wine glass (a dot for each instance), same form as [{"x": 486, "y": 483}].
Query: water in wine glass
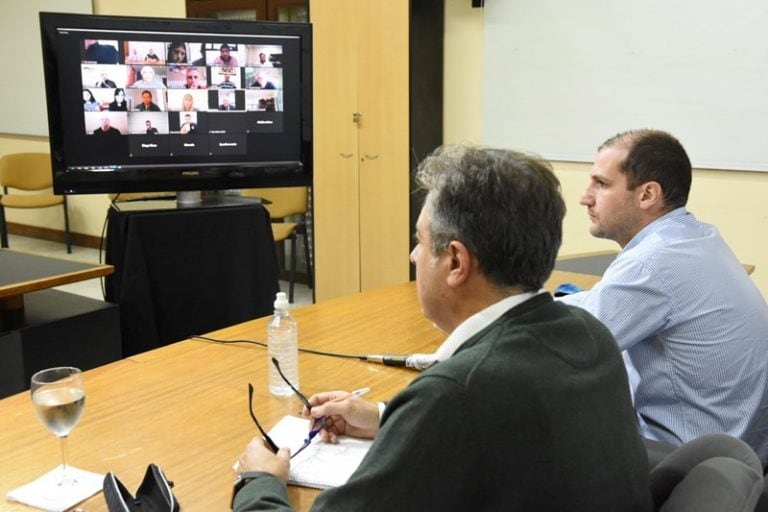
[
  {"x": 58, "y": 395},
  {"x": 59, "y": 408}
]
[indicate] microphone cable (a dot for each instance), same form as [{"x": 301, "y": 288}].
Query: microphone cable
[
  {"x": 419, "y": 362},
  {"x": 359, "y": 357}
]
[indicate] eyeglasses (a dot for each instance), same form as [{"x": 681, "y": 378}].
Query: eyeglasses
[{"x": 319, "y": 422}]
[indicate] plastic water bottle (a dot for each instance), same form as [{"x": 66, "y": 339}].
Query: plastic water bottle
[{"x": 283, "y": 345}]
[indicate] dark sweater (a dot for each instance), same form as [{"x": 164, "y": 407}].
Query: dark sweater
[{"x": 531, "y": 414}]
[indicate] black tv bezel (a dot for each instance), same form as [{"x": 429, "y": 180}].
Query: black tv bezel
[{"x": 159, "y": 177}]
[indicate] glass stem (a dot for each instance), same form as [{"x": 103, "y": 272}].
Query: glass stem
[{"x": 64, "y": 456}]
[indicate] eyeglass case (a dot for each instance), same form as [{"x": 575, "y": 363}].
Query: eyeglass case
[{"x": 154, "y": 494}]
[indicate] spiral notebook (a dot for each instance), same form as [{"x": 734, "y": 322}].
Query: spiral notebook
[{"x": 321, "y": 465}]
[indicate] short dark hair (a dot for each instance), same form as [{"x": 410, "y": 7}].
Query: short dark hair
[
  {"x": 505, "y": 206},
  {"x": 655, "y": 155}
]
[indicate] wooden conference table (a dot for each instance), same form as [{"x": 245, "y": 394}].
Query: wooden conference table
[{"x": 185, "y": 406}]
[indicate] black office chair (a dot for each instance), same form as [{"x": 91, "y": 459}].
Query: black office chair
[{"x": 713, "y": 473}]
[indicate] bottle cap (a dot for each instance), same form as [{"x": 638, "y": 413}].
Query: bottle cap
[{"x": 281, "y": 301}]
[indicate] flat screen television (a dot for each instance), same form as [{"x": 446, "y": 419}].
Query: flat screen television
[{"x": 151, "y": 104}]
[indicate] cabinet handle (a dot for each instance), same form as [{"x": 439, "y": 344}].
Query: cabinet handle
[
  {"x": 346, "y": 155},
  {"x": 371, "y": 157},
  {"x": 356, "y": 117}
]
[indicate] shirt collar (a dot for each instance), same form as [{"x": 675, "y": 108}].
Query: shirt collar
[
  {"x": 677, "y": 212},
  {"x": 478, "y": 322}
]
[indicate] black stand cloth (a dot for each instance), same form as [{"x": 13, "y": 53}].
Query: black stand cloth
[{"x": 188, "y": 271}]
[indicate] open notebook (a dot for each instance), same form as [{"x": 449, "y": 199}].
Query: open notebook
[{"x": 320, "y": 465}]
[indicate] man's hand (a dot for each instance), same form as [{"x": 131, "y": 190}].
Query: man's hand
[
  {"x": 345, "y": 414},
  {"x": 258, "y": 457}
]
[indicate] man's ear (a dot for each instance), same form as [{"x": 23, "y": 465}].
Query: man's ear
[
  {"x": 460, "y": 263},
  {"x": 651, "y": 195}
]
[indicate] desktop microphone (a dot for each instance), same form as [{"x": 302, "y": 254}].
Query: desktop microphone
[{"x": 419, "y": 362}]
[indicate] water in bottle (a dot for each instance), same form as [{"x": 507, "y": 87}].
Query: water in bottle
[{"x": 283, "y": 345}]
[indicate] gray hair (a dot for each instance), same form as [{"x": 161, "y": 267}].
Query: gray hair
[{"x": 504, "y": 206}]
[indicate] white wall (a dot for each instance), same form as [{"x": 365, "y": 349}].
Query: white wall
[{"x": 732, "y": 200}]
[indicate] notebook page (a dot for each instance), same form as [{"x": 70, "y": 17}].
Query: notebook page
[{"x": 320, "y": 465}]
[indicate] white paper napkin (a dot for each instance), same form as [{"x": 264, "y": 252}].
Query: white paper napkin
[{"x": 45, "y": 493}]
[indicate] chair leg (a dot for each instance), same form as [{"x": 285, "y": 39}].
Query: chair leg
[
  {"x": 293, "y": 267},
  {"x": 3, "y": 228},
  {"x": 67, "y": 233},
  {"x": 306, "y": 258}
]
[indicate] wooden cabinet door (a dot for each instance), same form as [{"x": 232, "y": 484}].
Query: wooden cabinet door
[
  {"x": 383, "y": 99},
  {"x": 271, "y": 10},
  {"x": 227, "y": 9},
  {"x": 335, "y": 145},
  {"x": 360, "y": 73}
]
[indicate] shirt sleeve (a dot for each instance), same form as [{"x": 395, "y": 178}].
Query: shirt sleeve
[
  {"x": 631, "y": 300},
  {"x": 382, "y": 406},
  {"x": 263, "y": 494}
]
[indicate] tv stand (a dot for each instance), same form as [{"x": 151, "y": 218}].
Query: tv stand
[
  {"x": 193, "y": 199},
  {"x": 187, "y": 199},
  {"x": 184, "y": 271}
]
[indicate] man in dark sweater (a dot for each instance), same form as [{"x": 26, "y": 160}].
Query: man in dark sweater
[{"x": 528, "y": 408}]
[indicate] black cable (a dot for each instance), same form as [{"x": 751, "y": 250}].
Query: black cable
[
  {"x": 226, "y": 342},
  {"x": 262, "y": 344}
]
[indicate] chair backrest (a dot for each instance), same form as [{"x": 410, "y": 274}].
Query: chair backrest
[
  {"x": 712, "y": 473},
  {"x": 26, "y": 171},
  {"x": 283, "y": 201}
]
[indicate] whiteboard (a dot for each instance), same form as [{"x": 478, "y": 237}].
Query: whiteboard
[
  {"x": 560, "y": 77},
  {"x": 22, "y": 89}
]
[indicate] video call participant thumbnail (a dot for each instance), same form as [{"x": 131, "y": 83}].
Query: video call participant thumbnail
[
  {"x": 89, "y": 102},
  {"x": 100, "y": 52},
  {"x": 118, "y": 104},
  {"x": 177, "y": 53},
  {"x": 105, "y": 82},
  {"x": 225, "y": 57},
  {"x": 188, "y": 125},
  {"x": 147, "y": 104},
  {"x": 106, "y": 130},
  {"x": 194, "y": 78},
  {"x": 227, "y": 101},
  {"x": 150, "y": 130},
  {"x": 149, "y": 79}
]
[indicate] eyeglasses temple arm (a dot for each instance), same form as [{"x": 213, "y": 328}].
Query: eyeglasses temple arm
[
  {"x": 298, "y": 393},
  {"x": 270, "y": 442}
]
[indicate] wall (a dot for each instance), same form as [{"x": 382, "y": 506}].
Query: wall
[
  {"x": 733, "y": 201},
  {"x": 86, "y": 212},
  {"x": 164, "y": 9}
]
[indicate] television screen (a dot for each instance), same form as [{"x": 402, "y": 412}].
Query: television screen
[{"x": 151, "y": 104}]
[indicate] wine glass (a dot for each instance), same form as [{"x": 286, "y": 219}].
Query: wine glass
[{"x": 59, "y": 396}]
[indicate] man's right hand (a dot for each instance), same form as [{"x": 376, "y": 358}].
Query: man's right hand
[{"x": 345, "y": 414}]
